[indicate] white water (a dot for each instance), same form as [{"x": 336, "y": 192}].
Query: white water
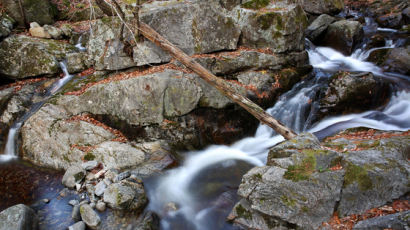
[
  {"x": 79, "y": 44},
  {"x": 295, "y": 109},
  {"x": 10, "y": 149}
]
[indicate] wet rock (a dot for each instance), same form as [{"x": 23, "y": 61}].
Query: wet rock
[
  {"x": 351, "y": 93},
  {"x": 392, "y": 221},
  {"x": 75, "y": 213},
  {"x": 406, "y": 15},
  {"x": 397, "y": 60},
  {"x": 279, "y": 26},
  {"x": 89, "y": 216},
  {"x": 100, "y": 188},
  {"x": 148, "y": 221},
  {"x": 27, "y": 56},
  {"x": 319, "y": 26},
  {"x": 100, "y": 206},
  {"x": 6, "y": 25},
  {"x": 393, "y": 20},
  {"x": 19, "y": 217},
  {"x": 343, "y": 36},
  {"x": 125, "y": 196},
  {"x": 77, "y": 226},
  {"x": 73, "y": 202},
  {"x": 89, "y": 165},
  {"x": 73, "y": 175},
  {"x": 323, "y": 6},
  {"x": 39, "y": 11}
]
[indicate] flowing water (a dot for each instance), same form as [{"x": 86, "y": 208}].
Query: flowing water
[{"x": 200, "y": 194}]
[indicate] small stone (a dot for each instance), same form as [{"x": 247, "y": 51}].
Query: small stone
[
  {"x": 34, "y": 25},
  {"x": 100, "y": 188},
  {"x": 77, "y": 226},
  {"x": 54, "y": 32},
  {"x": 89, "y": 216},
  {"x": 100, "y": 206},
  {"x": 73, "y": 202},
  {"x": 75, "y": 213},
  {"x": 39, "y": 32},
  {"x": 99, "y": 174},
  {"x": 92, "y": 205},
  {"x": 46, "y": 201},
  {"x": 122, "y": 176},
  {"x": 78, "y": 187},
  {"x": 111, "y": 174},
  {"x": 90, "y": 177},
  {"x": 89, "y": 165},
  {"x": 72, "y": 176},
  {"x": 107, "y": 181}
]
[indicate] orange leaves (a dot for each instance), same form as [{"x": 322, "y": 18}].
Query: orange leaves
[
  {"x": 19, "y": 84},
  {"x": 348, "y": 222},
  {"x": 367, "y": 135}
]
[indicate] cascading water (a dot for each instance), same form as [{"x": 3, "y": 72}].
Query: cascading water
[
  {"x": 180, "y": 206},
  {"x": 10, "y": 149}
]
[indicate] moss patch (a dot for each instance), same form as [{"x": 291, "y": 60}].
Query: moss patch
[
  {"x": 303, "y": 170},
  {"x": 288, "y": 201},
  {"x": 255, "y": 4},
  {"x": 89, "y": 156},
  {"x": 357, "y": 174},
  {"x": 243, "y": 213}
]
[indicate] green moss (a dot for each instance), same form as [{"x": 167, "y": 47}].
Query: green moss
[
  {"x": 119, "y": 197},
  {"x": 243, "y": 213},
  {"x": 255, "y": 4},
  {"x": 288, "y": 201},
  {"x": 302, "y": 171},
  {"x": 89, "y": 156},
  {"x": 305, "y": 209},
  {"x": 357, "y": 174},
  {"x": 66, "y": 158},
  {"x": 367, "y": 145},
  {"x": 257, "y": 176}
]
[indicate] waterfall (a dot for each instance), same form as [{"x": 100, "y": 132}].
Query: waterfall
[
  {"x": 10, "y": 151},
  {"x": 170, "y": 194}
]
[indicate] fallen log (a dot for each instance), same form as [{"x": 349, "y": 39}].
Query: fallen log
[{"x": 218, "y": 83}]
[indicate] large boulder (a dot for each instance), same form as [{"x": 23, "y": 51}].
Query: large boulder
[
  {"x": 24, "y": 56},
  {"x": 394, "y": 221},
  {"x": 397, "y": 60},
  {"x": 41, "y": 11},
  {"x": 6, "y": 25},
  {"x": 305, "y": 183},
  {"x": 323, "y": 6},
  {"x": 18, "y": 217},
  {"x": 278, "y": 26},
  {"x": 319, "y": 26},
  {"x": 343, "y": 36},
  {"x": 195, "y": 27},
  {"x": 349, "y": 92}
]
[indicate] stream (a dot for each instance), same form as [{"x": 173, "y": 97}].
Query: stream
[{"x": 202, "y": 191}]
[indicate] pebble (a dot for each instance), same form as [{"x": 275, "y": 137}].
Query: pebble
[
  {"x": 92, "y": 205},
  {"x": 100, "y": 206},
  {"x": 122, "y": 176},
  {"x": 78, "y": 187},
  {"x": 73, "y": 202},
  {"x": 75, "y": 213},
  {"x": 100, "y": 188},
  {"x": 99, "y": 174},
  {"x": 46, "y": 201}
]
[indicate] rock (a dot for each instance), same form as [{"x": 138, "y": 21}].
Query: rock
[
  {"x": 393, "y": 221},
  {"x": 278, "y": 27},
  {"x": 319, "y": 26},
  {"x": 27, "y": 57},
  {"x": 393, "y": 20},
  {"x": 125, "y": 196},
  {"x": 54, "y": 32},
  {"x": 92, "y": 205},
  {"x": 73, "y": 202},
  {"x": 343, "y": 36},
  {"x": 406, "y": 15},
  {"x": 148, "y": 221},
  {"x": 39, "y": 32},
  {"x": 76, "y": 62},
  {"x": 84, "y": 14},
  {"x": 397, "y": 60},
  {"x": 183, "y": 24},
  {"x": 100, "y": 206},
  {"x": 46, "y": 201},
  {"x": 6, "y": 25},
  {"x": 77, "y": 226},
  {"x": 19, "y": 217},
  {"x": 73, "y": 175},
  {"x": 122, "y": 176},
  {"x": 230, "y": 4},
  {"x": 40, "y": 11},
  {"x": 100, "y": 188},
  {"x": 352, "y": 93},
  {"x": 89, "y": 165},
  {"x": 89, "y": 216},
  {"x": 75, "y": 213},
  {"x": 375, "y": 175},
  {"x": 323, "y": 6}
]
